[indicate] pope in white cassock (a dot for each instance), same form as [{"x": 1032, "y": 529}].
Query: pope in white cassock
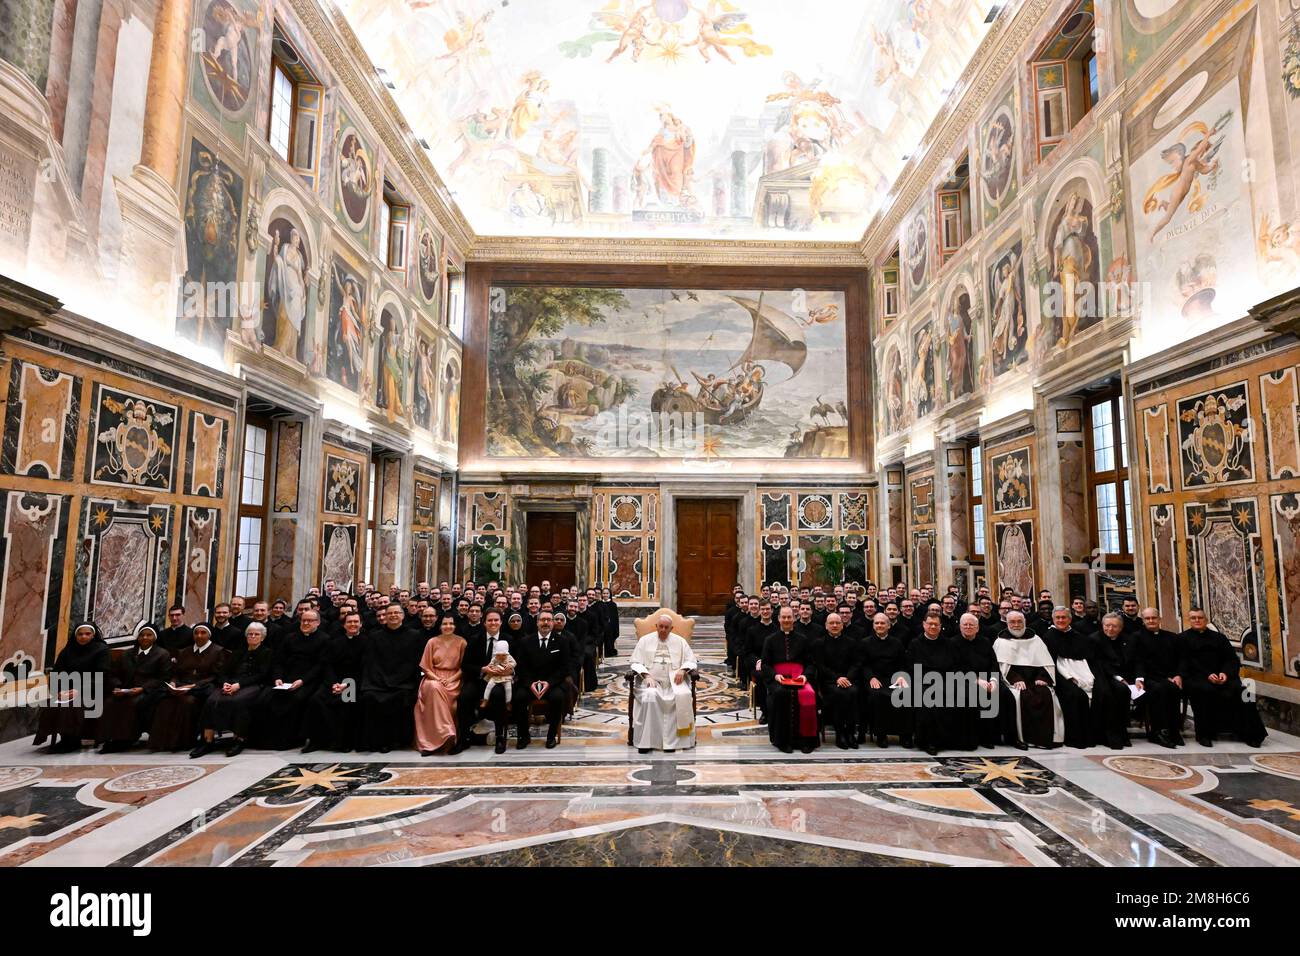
[{"x": 662, "y": 714}]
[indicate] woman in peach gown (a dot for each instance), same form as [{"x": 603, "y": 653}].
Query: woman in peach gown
[{"x": 435, "y": 707}]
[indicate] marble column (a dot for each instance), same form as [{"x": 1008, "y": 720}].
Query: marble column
[
  {"x": 952, "y": 503},
  {"x": 738, "y": 176},
  {"x": 600, "y": 179},
  {"x": 152, "y": 251}
]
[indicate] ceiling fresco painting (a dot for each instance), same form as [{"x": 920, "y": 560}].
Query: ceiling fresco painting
[{"x": 669, "y": 118}]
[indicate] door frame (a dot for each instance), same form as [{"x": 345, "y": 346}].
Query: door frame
[
  {"x": 519, "y": 527},
  {"x": 746, "y": 496}
]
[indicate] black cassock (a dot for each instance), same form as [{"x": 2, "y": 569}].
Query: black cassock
[
  {"x": 390, "y": 680},
  {"x": 298, "y": 657},
  {"x": 782, "y": 699},
  {"x": 1217, "y": 707},
  {"x": 174, "y": 718},
  {"x": 935, "y": 718},
  {"x": 127, "y": 717},
  {"x": 1155, "y": 659},
  {"x": 332, "y": 721},
  {"x": 756, "y": 635},
  {"x": 251, "y": 670},
  {"x": 975, "y": 660},
  {"x": 882, "y": 658},
  {"x": 1074, "y": 701},
  {"x": 1111, "y": 698},
  {"x": 840, "y": 657}
]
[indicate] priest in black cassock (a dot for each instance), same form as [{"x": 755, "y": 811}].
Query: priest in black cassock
[
  {"x": 1156, "y": 655},
  {"x": 884, "y": 661},
  {"x": 975, "y": 724},
  {"x": 333, "y": 715},
  {"x": 1030, "y": 713},
  {"x": 839, "y": 672},
  {"x": 1111, "y": 696},
  {"x": 390, "y": 680},
  {"x": 296, "y": 675},
  {"x": 789, "y": 677},
  {"x": 932, "y": 659},
  {"x": 1211, "y": 673}
]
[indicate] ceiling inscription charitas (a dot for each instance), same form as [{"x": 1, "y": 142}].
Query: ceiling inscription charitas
[{"x": 669, "y": 119}]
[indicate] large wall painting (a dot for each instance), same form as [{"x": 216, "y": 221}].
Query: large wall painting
[{"x": 666, "y": 373}]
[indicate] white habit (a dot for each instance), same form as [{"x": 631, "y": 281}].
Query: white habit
[
  {"x": 662, "y": 717},
  {"x": 1029, "y": 651}
]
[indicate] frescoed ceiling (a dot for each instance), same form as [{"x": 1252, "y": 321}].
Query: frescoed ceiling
[{"x": 743, "y": 119}]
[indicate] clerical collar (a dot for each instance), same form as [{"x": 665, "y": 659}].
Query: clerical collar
[{"x": 200, "y": 649}]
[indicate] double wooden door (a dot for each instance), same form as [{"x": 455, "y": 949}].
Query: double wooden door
[
  {"x": 706, "y": 554},
  {"x": 552, "y": 548}
]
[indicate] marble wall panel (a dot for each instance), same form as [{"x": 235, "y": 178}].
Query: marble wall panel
[
  {"x": 206, "y": 455},
  {"x": 288, "y": 465},
  {"x": 31, "y": 572},
  {"x": 197, "y": 583},
  {"x": 42, "y": 412}
]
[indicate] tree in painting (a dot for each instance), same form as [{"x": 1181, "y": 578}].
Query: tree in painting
[{"x": 515, "y": 384}]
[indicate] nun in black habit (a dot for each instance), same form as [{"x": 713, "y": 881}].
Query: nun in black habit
[{"x": 77, "y": 690}]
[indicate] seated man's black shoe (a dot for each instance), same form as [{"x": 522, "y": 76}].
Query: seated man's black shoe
[
  {"x": 853, "y": 742},
  {"x": 1204, "y": 741},
  {"x": 235, "y": 749},
  {"x": 307, "y": 748},
  {"x": 807, "y": 748},
  {"x": 501, "y": 745},
  {"x": 202, "y": 750},
  {"x": 932, "y": 750},
  {"x": 551, "y": 743},
  {"x": 905, "y": 741},
  {"x": 787, "y": 750},
  {"x": 522, "y": 743},
  {"x": 882, "y": 741},
  {"x": 643, "y": 750}
]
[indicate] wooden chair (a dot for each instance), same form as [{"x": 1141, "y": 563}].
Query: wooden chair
[{"x": 537, "y": 716}]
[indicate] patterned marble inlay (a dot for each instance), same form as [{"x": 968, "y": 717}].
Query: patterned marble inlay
[
  {"x": 16, "y": 776},
  {"x": 155, "y": 778},
  {"x": 1151, "y": 768}
]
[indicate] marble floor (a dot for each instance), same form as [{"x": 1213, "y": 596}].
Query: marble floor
[{"x": 732, "y": 801}]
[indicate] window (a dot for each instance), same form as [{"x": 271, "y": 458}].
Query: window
[
  {"x": 1108, "y": 477},
  {"x": 977, "y": 503},
  {"x": 456, "y": 302},
  {"x": 890, "y": 305},
  {"x": 953, "y": 201},
  {"x": 253, "y": 491},
  {"x": 1064, "y": 77},
  {"x": 293, "y": 121},
  {"x": 394, "y": 218},
  {"x": 282, "y": 98}
]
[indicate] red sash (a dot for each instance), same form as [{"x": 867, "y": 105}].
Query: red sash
[{"x": 805, "y": 696}]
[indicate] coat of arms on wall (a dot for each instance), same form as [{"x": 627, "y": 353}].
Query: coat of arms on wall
[
  {"x": 1011, "y": 482},
  {"x": 134, "y": 441},
  {"x": 341, "y": 485},
  {"x": 1215, "y": 435}
]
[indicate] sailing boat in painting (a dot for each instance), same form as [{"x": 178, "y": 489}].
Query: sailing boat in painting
[
  {"x": 729, "y": 399},
  {"x": 682, "y": 374}
]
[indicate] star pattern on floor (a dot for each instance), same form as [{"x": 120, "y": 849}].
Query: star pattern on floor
[
  {"x": 993, "y": 771},
  {"x": 305, "y": 778},
  {"x": 21, "y": 823}
]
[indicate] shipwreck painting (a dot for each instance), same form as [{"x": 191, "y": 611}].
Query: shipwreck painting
[{"x": 666, "y": 373}]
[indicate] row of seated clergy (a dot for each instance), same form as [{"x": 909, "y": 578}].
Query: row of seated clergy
[
  {"x": 357, "y": 689},
  {"x": 1065, "y": 688}
]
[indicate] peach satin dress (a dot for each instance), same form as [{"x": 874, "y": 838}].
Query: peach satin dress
[{"x": 435, "y": 707}]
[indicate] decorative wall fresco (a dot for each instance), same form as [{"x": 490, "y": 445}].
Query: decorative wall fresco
[
  {"x": 1008, "y": 318},
  {"x": 209, "y": 297},
  {"x": 666, "y": 373},
  {"x": 286, "y": 291},
  {"x": 346, "y": 336}
]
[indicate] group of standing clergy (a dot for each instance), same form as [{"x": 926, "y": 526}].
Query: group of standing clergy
[
  {"x": 345, "y": 671},
  {"x": 881, "y": 665}
]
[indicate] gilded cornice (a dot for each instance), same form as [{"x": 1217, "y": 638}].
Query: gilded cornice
[
  {"x": 981, "y": 78},
  {"x": 630, "y": 250},
  {"x": 343, "y": 51}
]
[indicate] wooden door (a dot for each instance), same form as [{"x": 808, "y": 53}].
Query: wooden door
[
  {"x": 552, "y": 548},
  {"x": 706, "y": 554}
]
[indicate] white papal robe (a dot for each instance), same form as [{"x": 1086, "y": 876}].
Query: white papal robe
[{"x": 662, "y": 716}]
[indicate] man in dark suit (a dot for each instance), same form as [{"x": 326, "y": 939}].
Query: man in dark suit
[
  {"x": 543, "y": 663},
  {"x": 610, "y": 613}
]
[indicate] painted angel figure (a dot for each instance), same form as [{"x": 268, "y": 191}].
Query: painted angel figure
[{"x": 1188, "y": 166}]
